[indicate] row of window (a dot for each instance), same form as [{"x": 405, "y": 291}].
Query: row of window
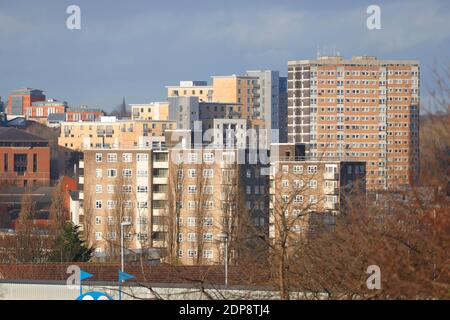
[{"x": 126, "y": 157}]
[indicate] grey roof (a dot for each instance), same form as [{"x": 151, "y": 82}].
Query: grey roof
[
  {"x": 16, "y": 135},
  {"x": 14, "y": 195},
  {"x": 56, "y": 117},
  {"x": 84, "y": 109}
]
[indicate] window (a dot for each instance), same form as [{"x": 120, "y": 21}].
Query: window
[
  {"x": 111, "y": 220},
  {"x": 98, "y": 188},
  {"x": 127, "y": 204},
  {"x": 192, "y": 237},
  {"x": 208, "y": 237},
  {"x": 142, "y": 220},
  {"x": 141, "y": 157},
  {"x": 127, "y": 173},
  {"x": 208, "y": 222},
  {"x": 111, "y": 235},
  {"x": 112, "y": 157},
  {"x": 111, "y": 173},
  {"x": 285, "y": 169},
  {"x": 312, "y": 169},
  {"x": 127, "y": 188},
  {"x": 35, "y": 162},
  {"x": 20, "y": 163},
  {"x": 98, "y": 157},
  {"x": 142, "y": 189},
  {"x": 110, "y": 188},
  {"x": 208, "y": 189},
  {"x": 298, "y": 184},
  {"x": 191, "y": 221},
  {"x": 98, "y": 173},
  {"x": 208, "y": 204},
  {"x": 192, "y": 173},
  {"x": 5, "y": 162},
  {"x": 208, "y": 254},
  {"x": 248, "y": 173},
  {"x": 285, "y": 183},
  {"x": 142, "y": 173},
  {"x": 284, "y": 199},
  {"x": 98, "y": 220},
  {"x": 192, "y": 157},
  {"x": 111, "y": 204},
  {"x": 298, "y": 169},
  {"x": 208, "y": 173},
  {"x": 142, "y": 204},
  {"x": 313, "y": 199},
  {"x": 313, "y": 184},
  {"x": 98, "y": 204},
  {"x": 192, "y": 253},
  {"x": 127, "y": 157},
  {"x": 208, "y": 157},
  {"x": 192, "y": 189},
  {"x": 298, "y": 199},
  {"x": 180, "y": 173},
  {"x": 98, "y": 236}
]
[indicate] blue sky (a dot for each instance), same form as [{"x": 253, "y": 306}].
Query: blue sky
[{"x": 136, "y": 48}]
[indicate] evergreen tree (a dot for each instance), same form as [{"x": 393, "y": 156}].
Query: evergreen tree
[{"x": 69, "y": 247}]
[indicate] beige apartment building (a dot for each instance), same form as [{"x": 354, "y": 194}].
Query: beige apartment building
[
  {"x": 177, "y": 200},
  {"x": 304, "y": 192},
  {"x": 360, "y": 109},
  {"x": 110, "y": 132},
  {"x": 150, "y": 111},
  {"x": 198, "y": 89},
  {"x": 125, "y": 185},
  {"x": 242, "y": 90}
]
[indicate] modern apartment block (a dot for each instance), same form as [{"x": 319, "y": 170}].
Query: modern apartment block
[
  {"x": 83, "y": 113},
  {"x": 177, "y": 199},
  {"x": 304, "y": 191},
  {"x": 24, "y": 159},
  {"x": 40, "y": 110},
  {"x": 150, "y": 111},
  {"x": 184, "y": 110},
  {"x": 198, "y": 89},
  {"x": 20, "y": 100},
  {"x": 110, "y": 132},
  {"x": 125, "y": 184},
  {"x": 360, "y": 109}
]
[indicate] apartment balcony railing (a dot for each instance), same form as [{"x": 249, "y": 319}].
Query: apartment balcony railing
[
  {"x": 331, "y": 190},
  {"x": 331, "y": 176}
]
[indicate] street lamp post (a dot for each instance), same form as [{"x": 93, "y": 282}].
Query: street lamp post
[
  {"x": 122, "y": 224},
  {"x": 224, "y": 237}
]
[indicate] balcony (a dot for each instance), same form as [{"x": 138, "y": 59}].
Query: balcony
[
  {"x": 81, "y": 180},
  {"x": 160, "y": 180},
  {"x": 81, "y": 195},
  {"x": 331, "y": 190},
  {"x": 331, "y": 176},
  {"x": 331, "y": 206},
  {"x": 160, "y": 165},
  {"x": 81, "y": 164},
  {"x": 159, "y": 196}
]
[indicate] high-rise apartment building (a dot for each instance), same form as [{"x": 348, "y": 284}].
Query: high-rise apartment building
[
  {"x": 359, "y": 109},
  {"x": 306, "y": 192},
  {"x": 243, "y": 90},
  {"x": 177, "y": 200},
  {"x": 125, "y": 184}
]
